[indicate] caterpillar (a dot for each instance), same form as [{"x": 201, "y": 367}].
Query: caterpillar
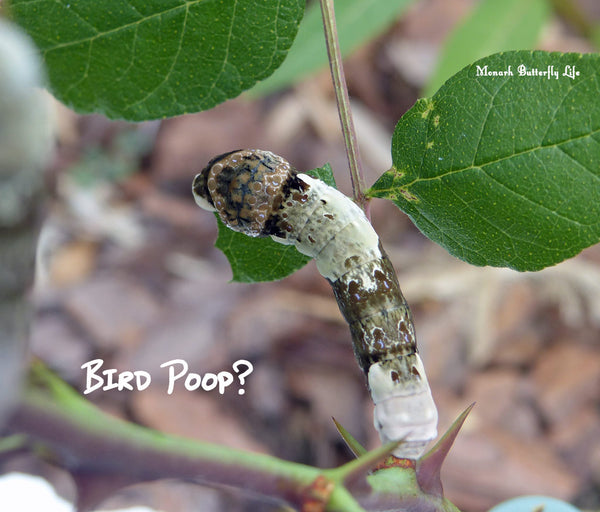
[{"x": 259, "y": 193}]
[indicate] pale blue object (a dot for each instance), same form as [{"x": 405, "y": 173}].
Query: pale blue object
[{"x": 534, "y": 504}]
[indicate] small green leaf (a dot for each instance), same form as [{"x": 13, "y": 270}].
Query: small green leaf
[
  {"x": 492, "y": 27},
  {"x": 147, "y": 59},
  {"x": 504, "y": 170},
  {"x": 257, "y": 259},
  {"x": 325, "y": 174},
  {"x": 357, "y": 21},
  {"x": 261, "y": 259}
]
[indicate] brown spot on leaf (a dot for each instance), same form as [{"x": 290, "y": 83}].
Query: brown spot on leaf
[{"x": 407, "y": 195}]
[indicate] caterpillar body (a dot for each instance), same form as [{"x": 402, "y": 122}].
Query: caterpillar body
[{"x": 258, "y": 193}]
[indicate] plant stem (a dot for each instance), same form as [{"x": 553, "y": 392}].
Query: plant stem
[
  {"x": 343, "y": 102},
  {"x": 104, "y": 453}
]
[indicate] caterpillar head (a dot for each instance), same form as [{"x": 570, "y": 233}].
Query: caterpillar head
[{"x": 245, "y": 187}]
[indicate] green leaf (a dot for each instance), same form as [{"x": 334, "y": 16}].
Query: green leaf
[
  {"x": 262, "y": 259},
  {"x": 147, "y": 59},
  {"x": 504, "y": 170},
  {"x": 258, "y": 259},
  {"x": 492, "y": 27},
  {"x": 357, "y": 21},
  {"x": 324, "y": 174}
]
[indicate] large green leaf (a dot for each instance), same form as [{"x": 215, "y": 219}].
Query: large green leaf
[
  {"x": 147, "y": 59},
  {"x": 262, "y": 259},
  {"x": 357, "y": 21},
  {"x": 504, "y": 170},
  {"x": 492, "y": 27}
]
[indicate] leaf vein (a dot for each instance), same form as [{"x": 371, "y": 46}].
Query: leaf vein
[
  {"x": 500, "y": 159},
  {"x": 120, "y": 27}
]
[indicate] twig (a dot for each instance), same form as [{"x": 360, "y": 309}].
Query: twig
[
  {"x": 343, "y": 102},
  {"x": 104, "y": 454}
]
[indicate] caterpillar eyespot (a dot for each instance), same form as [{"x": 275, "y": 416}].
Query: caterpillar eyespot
[{"x": 258, "y": 193}]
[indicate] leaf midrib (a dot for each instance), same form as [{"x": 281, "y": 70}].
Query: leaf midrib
[
  {"x": 184, "y": 6},
  {"x": 497, "y": 160}
]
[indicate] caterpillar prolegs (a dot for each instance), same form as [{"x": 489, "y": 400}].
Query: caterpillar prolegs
[{"x": 258, "y": 193}]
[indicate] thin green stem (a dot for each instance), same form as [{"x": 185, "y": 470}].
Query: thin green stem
[{"x": 343, "y": 102}]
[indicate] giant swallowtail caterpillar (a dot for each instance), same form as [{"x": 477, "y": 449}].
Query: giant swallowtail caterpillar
[{"x": 258, "y": 193}]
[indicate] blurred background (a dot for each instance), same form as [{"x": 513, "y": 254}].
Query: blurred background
[{"x": 128, "y": 273}]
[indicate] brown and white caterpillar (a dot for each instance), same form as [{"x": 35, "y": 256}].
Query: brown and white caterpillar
[{"x": 258, "y": 193}]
